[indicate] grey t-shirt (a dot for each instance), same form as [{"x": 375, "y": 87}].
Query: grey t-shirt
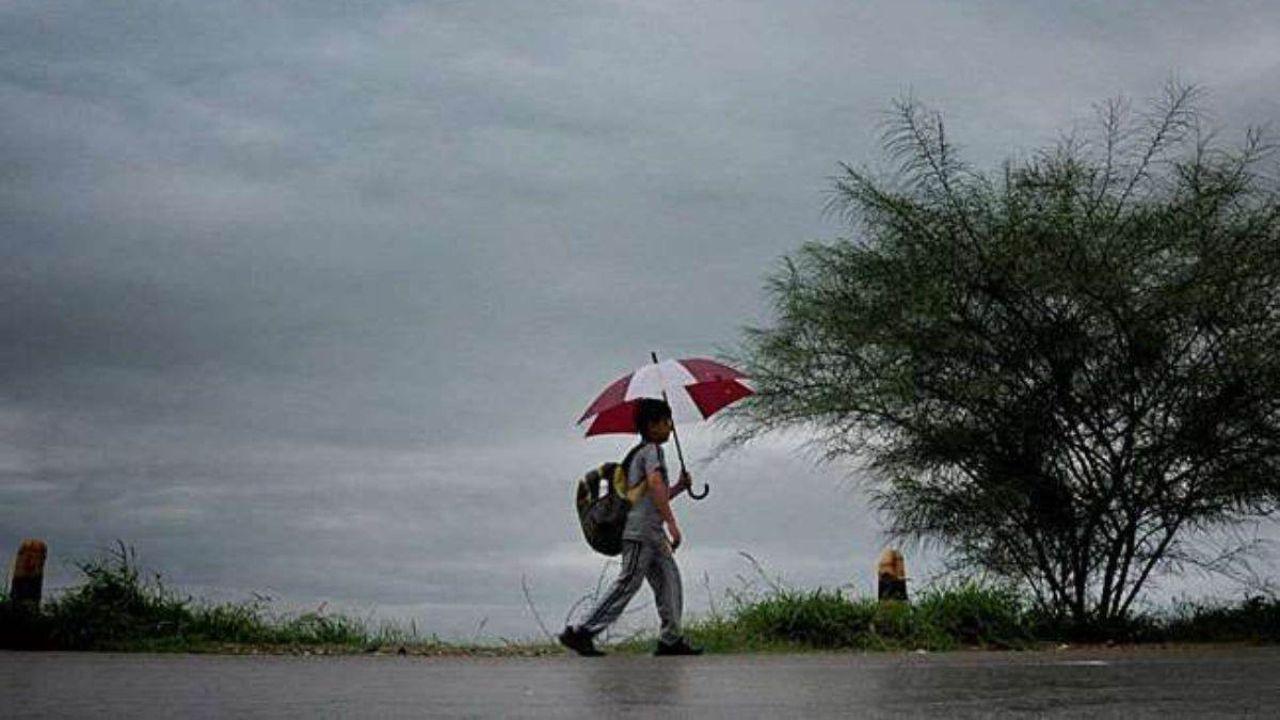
[{"x": 644, "y": 523}]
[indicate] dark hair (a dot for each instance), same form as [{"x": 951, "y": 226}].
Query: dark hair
[{"x": 649, "y": 411}]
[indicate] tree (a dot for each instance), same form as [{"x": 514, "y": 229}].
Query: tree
[{"x": 1066, "y": 372}]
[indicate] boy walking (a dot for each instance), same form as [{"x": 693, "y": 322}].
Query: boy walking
[{"x": 647, "y": 551}]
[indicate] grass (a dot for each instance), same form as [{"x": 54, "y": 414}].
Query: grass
[
  {"x": 966, "y": 615},
  {"x": 767, "y": 616},
  {"x": 1256, "y": 619},
  {"x": 116, "y": 608}
]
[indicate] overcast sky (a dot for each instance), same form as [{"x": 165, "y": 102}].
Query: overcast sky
[{"x": 304, "y": 298}]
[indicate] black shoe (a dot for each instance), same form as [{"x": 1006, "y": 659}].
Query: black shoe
[
  {"x": 579, "y": 641},
  {"x": 679, "y": 647}
]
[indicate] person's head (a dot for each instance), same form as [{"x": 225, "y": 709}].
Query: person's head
[{"x": 653, "y": 420}]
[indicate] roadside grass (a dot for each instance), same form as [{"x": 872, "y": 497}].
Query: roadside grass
[
  {"x": 765, "y": 615},
  {"x": 117, "y": 608},
  {"x": 789, "y": 620},
  {"x": 1255, "y": 619}
]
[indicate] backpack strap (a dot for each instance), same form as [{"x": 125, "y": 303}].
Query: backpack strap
[{"x": 632, "y": 494}]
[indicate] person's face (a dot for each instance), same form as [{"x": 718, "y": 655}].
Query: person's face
[{"x": 660, "y": 430}]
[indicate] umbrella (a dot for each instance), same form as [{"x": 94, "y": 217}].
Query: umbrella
[{"x": 696, "y": 388}]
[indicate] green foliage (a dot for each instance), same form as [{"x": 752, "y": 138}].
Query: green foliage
[
  {"x": 1063, "y": 371},
  {"x": 819, "y": 618},
  {"x": 1256, "y": 619},
  {"x": 317, "y": 629},
  {"x": 115, "y": 607},
  {"x": 974, "y": 614},
  {"x": 724, "y": 635},
  {"x": 966, "y": 614},
  {"x": 780, "y": 618},
  {"x": 235, "y": 623}
]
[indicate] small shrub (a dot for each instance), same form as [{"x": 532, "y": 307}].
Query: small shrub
[
  {"x": 114, "y": 605},
  {"x": 236, "y": 623},
  {"x": 115, "y": 608},
  {"x": 976, "y": 614},
  {"x": 898, "y": 625},
  {"x": 1255, "y": 619},
  {"x": 314, "y": 628},
  {"x": 821, "y": 618}
]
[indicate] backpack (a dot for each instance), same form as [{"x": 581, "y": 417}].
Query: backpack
[{"x": 603, "y": 515}]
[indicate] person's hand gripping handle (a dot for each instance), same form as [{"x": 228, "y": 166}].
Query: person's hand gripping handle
[
  {"x": 706, "y": 489},
  {"x": 686, "y": 484}
]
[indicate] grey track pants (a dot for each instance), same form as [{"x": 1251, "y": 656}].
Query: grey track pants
[{"x": 641, "y": 561}]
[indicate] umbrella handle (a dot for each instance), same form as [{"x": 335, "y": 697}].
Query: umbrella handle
[{"x": 706, "y": 489}]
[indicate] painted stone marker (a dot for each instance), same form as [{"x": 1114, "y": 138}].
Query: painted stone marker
[
  {"x": 28, "y": 572},
  {"x": 892, "y": 571}
]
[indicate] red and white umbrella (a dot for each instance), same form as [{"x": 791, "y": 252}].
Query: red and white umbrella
[{"x": 696, "y": 388}]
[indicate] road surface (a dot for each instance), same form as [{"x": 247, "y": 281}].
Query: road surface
[{"x": 1105, "y": 682}]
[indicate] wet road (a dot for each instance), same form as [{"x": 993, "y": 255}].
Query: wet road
[{"x": 1187, "y": 682}]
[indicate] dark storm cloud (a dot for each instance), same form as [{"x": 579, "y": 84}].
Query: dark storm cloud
[{"x": 304, "y": 297}]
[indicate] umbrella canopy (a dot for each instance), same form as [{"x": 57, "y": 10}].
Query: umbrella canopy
[{"x": 696, "y": 388}]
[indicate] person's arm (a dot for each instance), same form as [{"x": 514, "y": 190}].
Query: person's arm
[{"x": 661, "y": 500}]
